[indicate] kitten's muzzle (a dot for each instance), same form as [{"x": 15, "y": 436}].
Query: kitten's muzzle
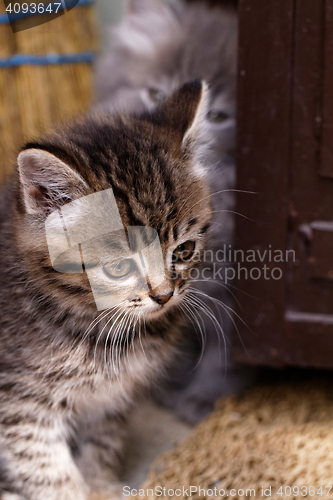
[{"x": 161, "y": 299}]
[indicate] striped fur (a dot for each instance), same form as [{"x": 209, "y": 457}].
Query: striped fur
[{"x": 64, "y": 387}]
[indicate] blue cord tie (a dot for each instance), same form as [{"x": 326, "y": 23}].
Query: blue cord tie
[
  {"x": 47, "y": 59},
  {"x": 4, "y": 18}
]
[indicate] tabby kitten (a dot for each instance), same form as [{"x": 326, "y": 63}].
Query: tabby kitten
[
  {"x": 157, "y": 47},
  {"x": 70, "y": 363}
]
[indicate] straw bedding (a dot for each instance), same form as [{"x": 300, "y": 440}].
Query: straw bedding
[
  {"x": 276, "y": 435},
  {"x": 34, "y": 98}
]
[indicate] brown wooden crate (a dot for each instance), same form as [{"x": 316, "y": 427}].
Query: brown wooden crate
[
  {"x": 280, "y": 117},
  {"x": 264, "y": 87}
]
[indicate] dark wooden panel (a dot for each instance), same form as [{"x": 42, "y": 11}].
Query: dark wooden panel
[
  {"x": 310, "y": 340},
  {"x": 321, "y": 258},
  {"x": 309, "y": 320},
  {"x": 305, "y": 161},
  {"x": 311, "y": 195},
  {"x": 265, "y": 59},
  {"x": 282, "y": 148},
  {"x": 326, "y": 169}
]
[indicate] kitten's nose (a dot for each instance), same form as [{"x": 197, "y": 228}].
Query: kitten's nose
[{"x": 161, "y": 299}]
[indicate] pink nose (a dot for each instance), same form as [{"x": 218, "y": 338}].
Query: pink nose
[{"x": 161, "y": 299}]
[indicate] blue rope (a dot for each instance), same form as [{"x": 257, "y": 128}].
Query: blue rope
[
  {"x": 4, "y": 18},
  {"x": 47, "y": 59}
]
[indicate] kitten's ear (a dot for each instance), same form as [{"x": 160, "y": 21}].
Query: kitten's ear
[
  {"x": 147, "y": 26},
  {"x": 47, "y": 182},
  {"x": 183, "y": 113}
]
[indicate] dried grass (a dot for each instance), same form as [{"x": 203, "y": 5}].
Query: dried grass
[
  {"x": 33, "y": 99},
  {"x": 276, "y": 435}
]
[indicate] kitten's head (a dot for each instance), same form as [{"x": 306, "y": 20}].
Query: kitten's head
[
  {"x": 119, "y": 205},
  {"x": 159, "y": 47}
]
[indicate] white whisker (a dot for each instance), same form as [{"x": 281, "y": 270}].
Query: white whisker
[
  {"x": 195, "y": 321},
  {"x": 233, "y": 212},
  {"x": 140, "y": 338},
  {"x": 116, "y": 308},
  {"x": 208, "y": 312},
  {"x": 213, "y": 194},
  {"x": 229, "y": 311}
]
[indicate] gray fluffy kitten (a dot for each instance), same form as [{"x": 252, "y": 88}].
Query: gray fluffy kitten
[{"x": 155, "y": 49}]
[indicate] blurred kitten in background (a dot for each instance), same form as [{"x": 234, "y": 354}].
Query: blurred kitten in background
[{"x": 156, "y": 48}]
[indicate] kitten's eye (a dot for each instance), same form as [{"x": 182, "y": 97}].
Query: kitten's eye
[
  {"x": 184, "y": 251},
  {"x": 119, "y": 270},
  {"x": 216, "y": 116},
  {"x": 156, "y": 95}
]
